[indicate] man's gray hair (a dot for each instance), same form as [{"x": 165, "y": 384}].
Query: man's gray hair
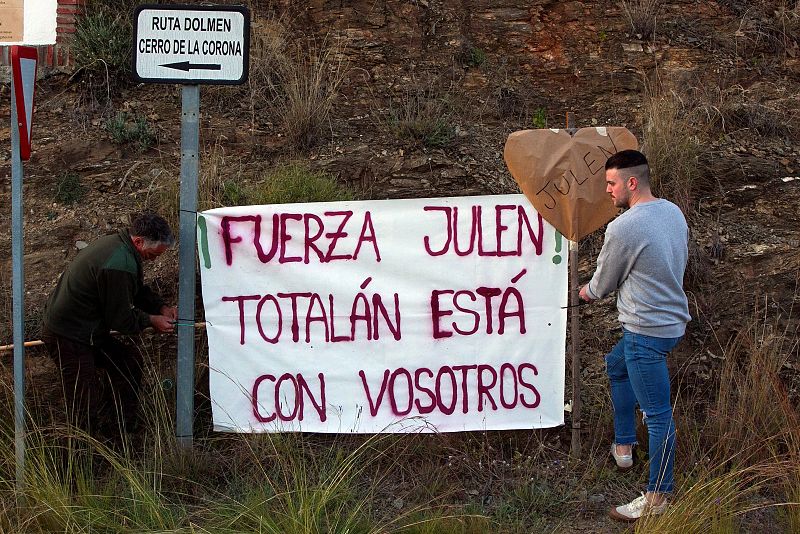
[{"x": 153, "y": 228}]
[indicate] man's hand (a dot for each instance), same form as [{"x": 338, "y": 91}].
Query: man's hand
[
  {"x": 162, "y": 323},
  {"x": 170, "y": 312},
  {"x": 584, "y": 294}
]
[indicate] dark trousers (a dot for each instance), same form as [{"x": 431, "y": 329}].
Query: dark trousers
[{"x": 88, "y": 405}]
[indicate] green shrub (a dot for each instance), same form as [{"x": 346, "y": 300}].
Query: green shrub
[
  {"x": 475, "y": 57},
  {"x": 102, "y": 42},
  {"x": 539, "y": 119},
  {"x": 295, "y": 183},
  {"x": 126, "y": 129},
  {"x": 69, "y": 189}
]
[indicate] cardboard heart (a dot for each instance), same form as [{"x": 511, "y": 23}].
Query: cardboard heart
[{"x": 563, "y": 175}]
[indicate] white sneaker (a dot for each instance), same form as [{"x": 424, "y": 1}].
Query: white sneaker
[
  {"x": 624, "y": 461},
  {"x": 637, "y": 508}
]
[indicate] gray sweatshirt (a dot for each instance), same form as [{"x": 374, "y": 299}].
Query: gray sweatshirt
[{"x": 644, "y": 256}]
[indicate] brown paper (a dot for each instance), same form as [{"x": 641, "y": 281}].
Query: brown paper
[
  {"x": 564, "y": 176},
  {"x": 11, "y": 22}
]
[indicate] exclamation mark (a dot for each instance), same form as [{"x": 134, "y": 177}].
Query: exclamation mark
[
  {"x": 557, "y": 257},
  {"x": 201, "y": 224}
]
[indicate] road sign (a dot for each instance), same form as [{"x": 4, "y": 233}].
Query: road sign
[
  {"x": 23, "y": 68},
  {"x": 191, "y": 44}
]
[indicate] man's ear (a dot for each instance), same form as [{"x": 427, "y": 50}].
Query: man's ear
[
  {"x": 137, "y": 241},
  {"x": 633, "y": 183}
]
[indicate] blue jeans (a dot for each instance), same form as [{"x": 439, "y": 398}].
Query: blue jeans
[{"x": 637, "y": 369}]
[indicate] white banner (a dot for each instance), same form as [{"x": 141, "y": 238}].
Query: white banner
[{"x": 435, "y": 315}]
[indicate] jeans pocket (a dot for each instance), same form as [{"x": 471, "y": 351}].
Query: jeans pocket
[
  {"x": 615, "y": 358},
  {"x": 660, "y": 347}
]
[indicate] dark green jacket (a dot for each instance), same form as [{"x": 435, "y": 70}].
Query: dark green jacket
[{"x": 102, "y": 290}]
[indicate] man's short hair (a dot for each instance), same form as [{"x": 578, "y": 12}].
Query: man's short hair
[
  {"x": 634, "y": 162},
  {"x": 153, "y": 228}
]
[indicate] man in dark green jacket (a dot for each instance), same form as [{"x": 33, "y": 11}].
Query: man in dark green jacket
[{"x": 100, "y": 291}]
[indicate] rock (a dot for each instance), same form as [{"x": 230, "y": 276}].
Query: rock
[
  {"x": 80, "y": 245},
  {"x": 597, "y": 499},
  {"x": 397, "y": 503},
  {"x": 416, "y": 162}
]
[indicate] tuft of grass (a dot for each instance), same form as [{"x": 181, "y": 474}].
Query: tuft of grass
[
  {"x": 268, "y": 44},
  {"x": 308, "y": 80},
  {"x": 422, "y": 115},
  {"x": 284, "y": 184},
  {"x": 752, "y": 403},
  {"x": 214, "y": 188},
  {"x": 673, "y": 141},
  {"x": 296, "y": 183},
  {"x": 233, "y": 194},
  {"x": 539, "y": 118},
  {"x": 102, "y": 41},
  {"x": 69, "y": 189},
  {"x": 100, "y": 49},
  {"x": 715, "y": 501},
  {"x": 641, "y": 15},
  {"x": 766, "y": 27},
  {"x": 125, "y": 128},
  {"x": 472, "y": 56}
]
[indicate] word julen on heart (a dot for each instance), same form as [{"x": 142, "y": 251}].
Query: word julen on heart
[{"x": 563, "y": 175}]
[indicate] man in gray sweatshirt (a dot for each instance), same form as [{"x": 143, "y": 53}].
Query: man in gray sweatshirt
[{"x": 643, "y": 258}]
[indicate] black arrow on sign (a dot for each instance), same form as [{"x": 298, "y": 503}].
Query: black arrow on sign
[{"x": 186, "y": 66}]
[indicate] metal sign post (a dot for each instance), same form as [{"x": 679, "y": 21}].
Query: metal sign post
[
  {"x": 190, "y": 153},
  {"x": 23, "y": 80},
  {"x": 17, "y": 291},
  {"x": 189, "y": 45}
]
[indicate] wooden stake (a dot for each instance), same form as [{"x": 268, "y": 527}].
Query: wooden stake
[
  {"x": 574, "y": 333},
  {"x": 37, "y": 342}
]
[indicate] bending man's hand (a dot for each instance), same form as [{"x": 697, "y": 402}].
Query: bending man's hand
[
  {"x": 162, "y": 323},
  {"x": 584, "y": 294},
  {"x": 170, "y": 312}
]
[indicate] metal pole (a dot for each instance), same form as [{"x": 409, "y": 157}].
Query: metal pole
[
  {"x": 190, "y": 143},
  {"x": 18, "y": 294},
  {"x": 574, "y": 352}
]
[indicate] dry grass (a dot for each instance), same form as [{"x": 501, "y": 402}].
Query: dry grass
[
  {"x": 767, "y": 27},
  {"x": 642, "y": 16},
  {"x": 673, "y": 142},
  {"x": 726, "y": 106},
  {"x": 421, "y": 114},
  {"x": 268, "y": 42},
  {"x": 308, "y": 80},
  {"x": 293, "y": 83},
  {"x": 217, "y": 185},
  {"x": 753, "y": 406},
  {"x": 716, "y": 499}
]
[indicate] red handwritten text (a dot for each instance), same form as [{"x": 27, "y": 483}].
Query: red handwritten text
[
  {"x": 459, "y": 387},
  {"x": 324, "y": 246},
  {"x": 366, "y": 317},
  {"x": 294, "y": 390},
  {"x": 507, "y": 232}
]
